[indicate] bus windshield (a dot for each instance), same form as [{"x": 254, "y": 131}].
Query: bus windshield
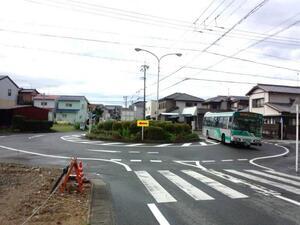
[{"x": 251, "y": 124}]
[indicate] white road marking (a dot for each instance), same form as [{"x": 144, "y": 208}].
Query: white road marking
[
  {"x": 132, "y": 145},
  {"x": 288, "y": 200},
  {"x": 211, "y": 142},
  {"x": 134, "y": 152},
  {"x": 36, "y": 136},
  {"x": 112, "y": 143},
  {"x": 135, "y": 160},
  {"x": 202, "y": 143},
  {"x": 186, "y": 144},
  {"x": 227, "y": 160},
  {"x": 268, "y": 157},
  {"x": 162, "y": 145},
  {"x": 2, "y": 136},
  {"x": 283, "y": 174},
  {"x": 275, "y": 177},
  {"x": 153, "y": 152},
  {"x": 65, "y": 157},
  {"x": 188, "y": 188},
  {"x": 155, "y": 160},
  {"x": 265, "y": 181},
  {"x": 155, "y": 189},
  {"x": 108, "y": 151},
  {"x": 157, "y": 214},
  {"x": 90, "y": 142},
  {"x": 215, "y": 185},
  {"x": 118, "y": 160},
  {"x": 75, "y": 135},
  {"x": 242, "y": 159},
  {"x": 208, "y": 161}
]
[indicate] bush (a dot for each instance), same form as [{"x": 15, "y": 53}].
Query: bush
[
  {"x": 154, "y": 133},
  {"x": 18, "y": 122},
  {"x": 133, "y": 128},
  {"x": 117, "y": 126},
  {"x": 107, "y": 125},
  {"x": 77, "y": 126},
  {"x": 191, "y": 137}
]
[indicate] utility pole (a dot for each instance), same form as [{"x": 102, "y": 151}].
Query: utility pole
[
  {"x": 144, "y": 69},
  {"x": 297, "y": 136},
  {"x": 125, "y": 100}
]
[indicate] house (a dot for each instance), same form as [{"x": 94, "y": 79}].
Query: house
[
  {"x": 127, "y": 114},
  {"x": 8, "y": 92},
  {"x": 172, "y": 106},
  {"x": 72, "y": 109},
  {"x": 114, "y": 111},
  {"x": 226, "y": 103},
  {"x": 46, "y": 102},
  {"x": 151, "y": 107},
  {"x": 26, "y": 96},
  {"x": 277, "y": 104}
]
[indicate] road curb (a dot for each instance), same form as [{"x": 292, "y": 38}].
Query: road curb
[{"x": 101, "y": 210}]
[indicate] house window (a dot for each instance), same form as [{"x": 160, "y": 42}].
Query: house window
[
  {"x": 9, "y": 92},
  {"x": 259, "y": 102},
  {"x": 64, "y": 115},
  {"x": 43, "y": 103},
  {"x": 68, "y": 104},
  {"x": 190, "y": 104}
]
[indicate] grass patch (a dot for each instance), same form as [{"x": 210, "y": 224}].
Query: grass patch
[{"x": 63, "y": 128}]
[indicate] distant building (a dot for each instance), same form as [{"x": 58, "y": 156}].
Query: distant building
[
  {"x": 127, "y": 114},
  {"x": 226, "y": 103},
  {"x": 277, "y": 104},
  {"x": 26, "y": 96},
  {"x": 172, "y": 106},
  {"x": 8, "y": 92},
  {"x": 72, "y": 109},
  {"x": 114, "y": 111},
  {"x": 46, "y": 102}
]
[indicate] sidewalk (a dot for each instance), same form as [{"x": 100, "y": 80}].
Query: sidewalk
[{"x": 101, "y": 211}]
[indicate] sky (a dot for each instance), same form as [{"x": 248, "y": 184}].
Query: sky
[{"x": 86, "y": 47}]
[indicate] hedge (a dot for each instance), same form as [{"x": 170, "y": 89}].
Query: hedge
[
  {"x": 20, "y": 123},
  {"x": 157, "y": 131}
]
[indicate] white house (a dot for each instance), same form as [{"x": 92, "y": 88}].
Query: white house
[
  {"x": 46, "y": 102},
  {"x": 151, "y": 107},
  {"x": 8, "y": 92}
]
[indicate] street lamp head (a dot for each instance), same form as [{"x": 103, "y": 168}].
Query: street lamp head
[
  {"x": 137, "y": 49},
  {"x": 179, "y": 54}
]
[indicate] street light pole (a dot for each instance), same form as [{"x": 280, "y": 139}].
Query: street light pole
[
  {"x": 158, "y": 73},
  {"x": 144, "y": 69}
]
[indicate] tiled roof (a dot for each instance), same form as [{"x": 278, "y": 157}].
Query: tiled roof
[
  {"x": 282, "y": 107},
  {"x": 221, "y": 98},
  {"x": 276, "y": 88},
  {"x": 182, "y": 97}
]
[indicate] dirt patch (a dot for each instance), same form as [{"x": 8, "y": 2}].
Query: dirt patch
[{"x": 23, "y": 189}]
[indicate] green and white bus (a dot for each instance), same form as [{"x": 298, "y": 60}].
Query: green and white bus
[{"x": 233, "y": 127}]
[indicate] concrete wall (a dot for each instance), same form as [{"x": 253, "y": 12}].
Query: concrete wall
[{"x": 5, "y": 100}]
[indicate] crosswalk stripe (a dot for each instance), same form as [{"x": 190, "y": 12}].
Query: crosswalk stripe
[
  {"x": 186, "y": 144},
  {"x": 155, "y": 189},
  {"x": 132, "y": 145},
  {"x": 215, "y": 185},
  {"x": 275, "y": 177},
  {"x": 265, "y": 181},
  {"x": 202, "y": 143},
  {"x": 283, "y": 174},
  {"x": 162, "y": 145},
  {"x": 188, "y": 188}
]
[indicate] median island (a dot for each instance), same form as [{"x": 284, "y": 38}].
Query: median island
[{"x": 157, "y": 132}]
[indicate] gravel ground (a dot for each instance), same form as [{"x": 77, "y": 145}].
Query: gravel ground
[{"x": 23, "y": 189}]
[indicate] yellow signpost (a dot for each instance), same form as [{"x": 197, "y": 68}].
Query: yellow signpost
[{"x": 142, "y": 123}]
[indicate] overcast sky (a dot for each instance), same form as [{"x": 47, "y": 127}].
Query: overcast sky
[{"x": 86, "y": 47}]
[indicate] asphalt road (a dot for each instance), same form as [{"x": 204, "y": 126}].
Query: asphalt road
[{"x": 192, "y": 183}]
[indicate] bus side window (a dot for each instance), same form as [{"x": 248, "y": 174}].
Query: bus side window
[
  {"x": 230, "y": 123},
  {"x": 216, "y": 122}
]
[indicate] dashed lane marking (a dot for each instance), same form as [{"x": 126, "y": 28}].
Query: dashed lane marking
[
  {"x": 106, "y": 151},
  {"x": 227, "y": 160},
  {"x": 134, "y": 152},
  {"x": 242, "y": 159},
  {"x": 135, "y": 160},
  {"x": 153, "y": 152},
  {"x": 36, "y": 136},
  {"x": 133, "y": 145},
  {"x": 162, "y": 145},
  {"x": 186, "y": 144},
  {"x": 208, "y": 161},
  {"x": 156, "y": 160}
]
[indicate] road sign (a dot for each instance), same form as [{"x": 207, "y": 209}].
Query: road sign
[{"x": 142, "y": 123}]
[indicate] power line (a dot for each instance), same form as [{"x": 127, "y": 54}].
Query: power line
[{"x": 202, "y": 13}]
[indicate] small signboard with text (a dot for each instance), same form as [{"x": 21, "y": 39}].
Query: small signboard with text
[{"x": 142, "y": 123}]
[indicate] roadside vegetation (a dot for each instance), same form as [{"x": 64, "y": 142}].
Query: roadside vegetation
[
  {"x": 158, "y": 131},
  {"x": 64, "y": 127},
  {"x": 21, "y": 124}
]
